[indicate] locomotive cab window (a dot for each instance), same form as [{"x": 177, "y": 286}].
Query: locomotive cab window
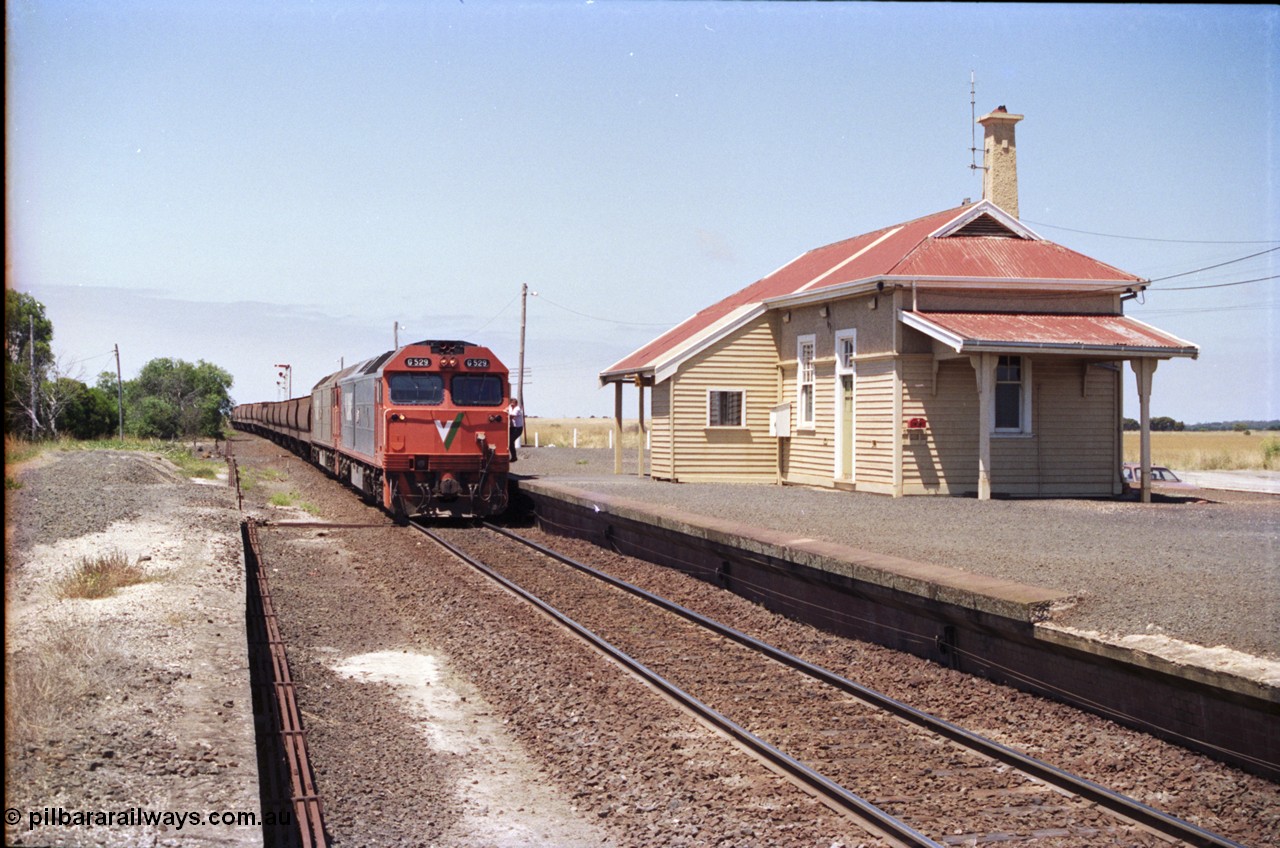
[
  {"x": 416, "y": 389},
  {"x": 476, "y": 390}
]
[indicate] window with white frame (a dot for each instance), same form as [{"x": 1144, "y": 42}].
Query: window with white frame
[
  {"x": 725, "y": 407},
  {"x": 805, "y": 347},
  {"x": 846, "y": 350},
  {"x": 1012, "y": 395}
]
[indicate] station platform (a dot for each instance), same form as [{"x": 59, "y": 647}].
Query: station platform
[{"x": 1180, "y": 596}]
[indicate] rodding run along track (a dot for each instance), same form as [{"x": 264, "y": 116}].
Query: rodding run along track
[{"x": 933, "y": 777}]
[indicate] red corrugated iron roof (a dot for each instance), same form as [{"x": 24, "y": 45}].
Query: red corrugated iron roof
[
  {"x": 922, "y": 248},
  {"x": 973, "y": 332},
  {"x": 1012, "y": 258}
]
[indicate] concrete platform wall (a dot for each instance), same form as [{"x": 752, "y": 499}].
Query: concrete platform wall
[{"x": 979, "y": 625}]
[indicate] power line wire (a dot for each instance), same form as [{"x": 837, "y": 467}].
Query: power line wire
[
  {"x": 1147, "y": 238},
  {"x": 1180, "y": 310},
  {"x": 476, "y": 331},
  {"x": 597, "y": 317},
  {"x": 1216, "y": 285},
  {"x": 1219, "y": 265}
]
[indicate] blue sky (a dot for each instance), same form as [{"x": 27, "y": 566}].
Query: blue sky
[{"x": 257, "y": 183}]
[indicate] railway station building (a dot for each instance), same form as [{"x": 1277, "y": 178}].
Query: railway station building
[{"x": 959, "y": 353}]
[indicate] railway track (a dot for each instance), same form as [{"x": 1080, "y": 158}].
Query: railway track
[{"x": 907, "y": 776}]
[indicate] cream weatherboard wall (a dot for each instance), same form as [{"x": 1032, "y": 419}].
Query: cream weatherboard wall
[
  {"x": 876, "y": 387},
  {"x": 1071, "y": 448},
  {"x": 684, "y": 447},
  {"x": 661, "y": 431}
]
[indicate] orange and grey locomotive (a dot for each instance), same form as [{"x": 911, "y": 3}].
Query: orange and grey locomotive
[{"x": 422, "y": 430}]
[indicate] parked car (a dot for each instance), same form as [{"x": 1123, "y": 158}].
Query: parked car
[{"x": 1131, "y": 473}]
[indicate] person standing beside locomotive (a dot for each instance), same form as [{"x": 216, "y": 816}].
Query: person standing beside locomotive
[{"x": 516, "y": 416}]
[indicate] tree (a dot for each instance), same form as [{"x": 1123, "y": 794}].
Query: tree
[
  {"x": 1164, "y": 423},
  {"x": 28, "y": 339},
  {"x": 90, "y": 413},
  {"x": 172, "y": 398}
]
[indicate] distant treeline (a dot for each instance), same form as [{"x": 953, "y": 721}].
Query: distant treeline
[
  {"x": 1164, "y": 424},
  {"x": 1237, "y": 425}
]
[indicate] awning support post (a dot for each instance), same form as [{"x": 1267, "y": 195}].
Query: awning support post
[
  {"x": 1144, "y": 369},
  {"x": 617, "y": 428},
  {"x": 985, "y": 365},
  {"x": 640, "y": 430}
]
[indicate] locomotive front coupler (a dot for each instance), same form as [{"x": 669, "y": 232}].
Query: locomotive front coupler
[{"x": 449, "y": 487}]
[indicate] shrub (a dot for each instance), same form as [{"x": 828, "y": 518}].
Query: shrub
[
  {"x": 1271, "y": 454},
  {"x": 100, "y": 576}
]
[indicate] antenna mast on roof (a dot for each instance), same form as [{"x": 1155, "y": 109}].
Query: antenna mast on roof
[{"x": 973, "y": 133}]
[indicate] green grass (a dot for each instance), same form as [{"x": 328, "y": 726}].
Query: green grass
[
  {"x": 176, "y": 452},
  {"x": 16, "y": 451},
  {"x": 100, "y": 576},
  {"x": 251, "y": 477},
  {"x": 292, "y": 499},
  {"x": 20, "y": 450}
]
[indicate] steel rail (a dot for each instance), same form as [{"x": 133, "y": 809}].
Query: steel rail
[
  {"x": 833, "y": 793},
  {"x": 1108, "y": 799},
  {"x": 286, "y": 740}
]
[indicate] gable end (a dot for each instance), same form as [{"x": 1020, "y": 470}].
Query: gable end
[{"x": 984, "y": 225}]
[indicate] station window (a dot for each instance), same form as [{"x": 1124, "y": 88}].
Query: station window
[
  {"x": 1012, "y": 412},
  {"x": 847, "y": 342},
  {"x": 725, "y": 407},
  {"x": 805, "y": 346}
]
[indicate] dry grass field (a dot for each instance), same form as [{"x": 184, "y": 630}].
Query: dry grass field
[
  {"x": 589, "y": 432},
  {"x": 1210, "y": 451},
  {"x": 1187, "y": 451}
]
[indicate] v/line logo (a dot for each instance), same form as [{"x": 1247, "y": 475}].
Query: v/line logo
[{"x": 449, "y": 429}]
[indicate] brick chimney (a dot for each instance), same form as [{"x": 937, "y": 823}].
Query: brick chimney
[{"x": 1000, "y": 159}]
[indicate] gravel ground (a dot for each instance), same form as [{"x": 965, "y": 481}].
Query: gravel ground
[
  {"x": 441, "y": 712},
  {"x": 141, "y": 699},
  {"x": 624, "y": 766},
  {"x": 588, "y": 755},
  {"x": 1201, "y": 567}
]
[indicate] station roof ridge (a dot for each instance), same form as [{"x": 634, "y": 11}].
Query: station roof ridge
[{"x": 973, "y": 242}]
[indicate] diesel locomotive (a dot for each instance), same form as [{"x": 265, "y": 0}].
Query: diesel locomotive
[{"x": 421, "y": 430}]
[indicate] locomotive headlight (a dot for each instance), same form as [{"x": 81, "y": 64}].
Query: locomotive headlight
[{"x": 420, "y": 463}]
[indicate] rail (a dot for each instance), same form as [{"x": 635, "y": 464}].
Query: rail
[
  {"x": 1114, "y": 802},
  {"x": 284, "y": 766},
  {"x": 830, "y": 792}
]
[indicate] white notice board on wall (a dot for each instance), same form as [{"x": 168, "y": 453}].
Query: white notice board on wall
[{"x": 780, "y": 421}]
